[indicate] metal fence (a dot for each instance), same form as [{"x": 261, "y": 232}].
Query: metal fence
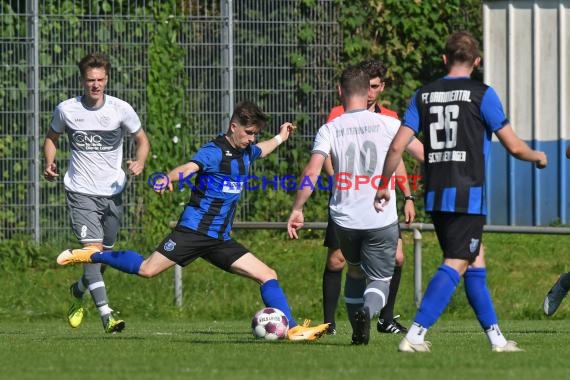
[{"x": 225, "y": 62}]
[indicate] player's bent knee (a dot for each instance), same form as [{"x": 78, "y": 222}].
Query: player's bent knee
[
  {"x": 335, "y": 260},
  {"x": 335, "y": 265},
  {"x": 147, "y": 272},
  {"x": 270, "y": 274}
]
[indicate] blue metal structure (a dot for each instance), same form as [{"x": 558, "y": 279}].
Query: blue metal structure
[{"x": 526, "y": 58}]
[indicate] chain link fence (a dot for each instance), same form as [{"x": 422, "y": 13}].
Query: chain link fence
[{"x": 234, "y": 50}]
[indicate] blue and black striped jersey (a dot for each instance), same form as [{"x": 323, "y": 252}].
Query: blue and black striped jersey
[
  {"x": 457, "y": 117},
  {"x": 217, "y": 187}
]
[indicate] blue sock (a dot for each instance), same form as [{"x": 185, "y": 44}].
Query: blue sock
[
  {"x": 125, "y": 261},
  {"x": 437, "y": 296},
  {"x": 273, "y": 296},
  {"x": 479, "y": 296}
]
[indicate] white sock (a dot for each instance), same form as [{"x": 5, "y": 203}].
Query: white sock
[
  {"x": 495, "y": 336},
  {"x": 416, "y": 334},
  {"x": 104, "y": 310}
]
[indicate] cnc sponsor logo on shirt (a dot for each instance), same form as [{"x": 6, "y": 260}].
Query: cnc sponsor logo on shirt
[{"x": 89, "y": 141}]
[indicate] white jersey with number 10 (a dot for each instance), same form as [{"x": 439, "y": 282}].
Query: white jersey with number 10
[{"x": 358, "y": 142}]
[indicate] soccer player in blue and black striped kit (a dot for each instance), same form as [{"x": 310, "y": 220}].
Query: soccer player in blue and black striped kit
[
  {"x": 216, "y": 174},
  {"x": 457, "y": 116}
]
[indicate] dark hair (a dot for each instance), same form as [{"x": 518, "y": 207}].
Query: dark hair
[
  {"x": 461, "y": 47},
  {"x": 248, "y": 114},
  {"x": 354, "y": 81},
  {"x": 94, "y": 60},
  {"x": 374, "y": 68}
]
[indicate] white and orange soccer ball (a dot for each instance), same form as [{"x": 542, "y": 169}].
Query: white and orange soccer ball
[{"x": 270, "y": 323}]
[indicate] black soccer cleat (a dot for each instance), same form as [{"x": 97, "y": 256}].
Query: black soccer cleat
[
  {"x": 393, "y": 327},
  {"x": 361, "y": 332}
]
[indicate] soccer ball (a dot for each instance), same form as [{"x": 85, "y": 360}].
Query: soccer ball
[{"x": 270, "y": 323}]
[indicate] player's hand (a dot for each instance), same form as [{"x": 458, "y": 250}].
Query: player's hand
[
  {"x": 542, "y": 160},
  {"x": 286, "y": 130},
  {"x": 296, "y": 222},
  {"x": 568, "y": 152},
  {"x": 161, "y": 186},
  {"x": 50, "y": 172},
  {"x": 381, "y": 199},
  {"x": 409, "y": 211},
  {"x": 135, "y": 167}
]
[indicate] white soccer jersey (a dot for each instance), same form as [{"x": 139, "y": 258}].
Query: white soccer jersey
[
  {"x": 361, "y": 138},
  {"x": 96, "y": 140}
]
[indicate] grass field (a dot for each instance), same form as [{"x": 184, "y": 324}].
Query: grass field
[
  {"x": 209, "y": 337},
  {"x": 227, "y": 350}
]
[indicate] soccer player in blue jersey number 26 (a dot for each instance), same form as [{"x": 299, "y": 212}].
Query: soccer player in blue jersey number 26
[
  {"x": 203, "y": 231},
  {"x": 457, "y": 116}
]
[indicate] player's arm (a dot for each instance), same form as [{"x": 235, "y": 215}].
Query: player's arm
[
  {"x": 270, "y": 145},
  {"x": 519, "y": 149},
  {"x": 136, "y": 166},
  {"x": 50, "y": 150},
  {"x": 416, "y": 149},
  {"x": 311, "y": 171},
  {"x": 183, "y": 171},
  {"x": 328, "y": 166},
  {"x": 393, "y": 158},
  {"x": 180, "y": 173},
  {"x": 404, "y": 186},
  {"x": 333, "y": 114}
]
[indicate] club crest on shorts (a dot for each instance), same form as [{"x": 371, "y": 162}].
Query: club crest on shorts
[
  {"x": 169, "y": 245},
  {"x": 473, "y": 245}
]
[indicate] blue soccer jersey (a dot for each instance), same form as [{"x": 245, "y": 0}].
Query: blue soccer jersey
[
  {"x": 457, "y": 117},
  {"x": 217, "y": 187}
]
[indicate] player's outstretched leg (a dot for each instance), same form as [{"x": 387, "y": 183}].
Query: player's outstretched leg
[
  {"x": 273, "y": 296},
  {"x": 556, "y": 294},
  {"x": 76, "y": 256},
  {"x": 125, "y": 261},
  {"x": 307, "y": 332}
]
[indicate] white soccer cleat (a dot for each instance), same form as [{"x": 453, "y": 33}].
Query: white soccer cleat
[
  {"x": 407, "y": 346},
  {"x": 511, "y": 346}
]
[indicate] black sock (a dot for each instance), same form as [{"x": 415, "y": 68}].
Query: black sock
[
  {"x": 387, "y": 313},
  {"x": 331, "y": 292}
]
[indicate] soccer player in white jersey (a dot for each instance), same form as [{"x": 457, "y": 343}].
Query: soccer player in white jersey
[
  {"x": 94, "y": 181},
  {"x": 357, "y": 142}
]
